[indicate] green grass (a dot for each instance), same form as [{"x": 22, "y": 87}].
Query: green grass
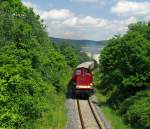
[
  {"x": 56, "y": 116},
  {"x": 114, "y": 119}
]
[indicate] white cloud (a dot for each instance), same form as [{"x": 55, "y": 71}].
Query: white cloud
[
  {"x": 85, "y": 27},
  {"x": 130, "y": 8},
  {"x": 64, "y": 23},
  {"x": 85, "y": 22},
  {"x": 29, "y": 4},
  {"x": 89, "y": 1},
  {"x": 61, "y": 14},
  {"x": 147, "y": 18},
  {"x": 34, "y": 6}
]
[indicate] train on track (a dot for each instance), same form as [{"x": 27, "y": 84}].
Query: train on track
[{"x": 83, "y": 79}]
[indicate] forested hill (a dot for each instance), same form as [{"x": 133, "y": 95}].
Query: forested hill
[
  {"x": 85, "y": 45},
  {"x": 82, "y": 42}
]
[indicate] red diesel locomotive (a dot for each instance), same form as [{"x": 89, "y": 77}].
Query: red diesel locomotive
[{"x": 83, "y": 79}]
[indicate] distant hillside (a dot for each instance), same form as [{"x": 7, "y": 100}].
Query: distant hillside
[{"x": 85, "y": 45}]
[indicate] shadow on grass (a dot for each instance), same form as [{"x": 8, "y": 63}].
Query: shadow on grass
[{"x": 100, "y": 103}]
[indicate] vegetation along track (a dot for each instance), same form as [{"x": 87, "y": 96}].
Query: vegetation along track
[{"x": 87, "y": 115}]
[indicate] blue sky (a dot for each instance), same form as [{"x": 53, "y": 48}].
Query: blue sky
[{"x": 89, "y": 19}]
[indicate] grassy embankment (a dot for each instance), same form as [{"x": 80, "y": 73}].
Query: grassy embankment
[
  {"x": 114, "y": 119},
  {"x": 56, "y": 116}
]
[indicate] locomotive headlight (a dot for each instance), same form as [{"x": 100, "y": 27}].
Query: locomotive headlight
[{"x": 91, "y": 84}]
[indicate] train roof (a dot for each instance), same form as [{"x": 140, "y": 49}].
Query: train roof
[{"x": 87, "y": 65}]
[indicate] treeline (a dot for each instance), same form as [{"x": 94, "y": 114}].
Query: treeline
[
  {"x": 125, "y": 75},
  {"x": 33, "y": 72},
  {"x": 73, "y": 54}
]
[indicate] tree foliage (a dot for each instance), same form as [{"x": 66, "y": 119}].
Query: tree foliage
[
  {"x": 125, "y": 74},
  {"x": 31, "y": 68},
  {"x": 72, "y": 54}
]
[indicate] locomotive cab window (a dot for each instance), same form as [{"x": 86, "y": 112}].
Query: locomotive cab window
[{"x": 78, "y": 72}]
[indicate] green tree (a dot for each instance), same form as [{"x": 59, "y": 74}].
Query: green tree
[
  {"x": 125, "y": 72},
  {"x": 73, "y": 55},
  {"x": 30, "y": 69}
]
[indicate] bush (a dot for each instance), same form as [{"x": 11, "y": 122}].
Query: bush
[
  {"x": 125, "y": 71},
  {"x": 138, "y": 113},
  {"x": 30, "y": 69}
]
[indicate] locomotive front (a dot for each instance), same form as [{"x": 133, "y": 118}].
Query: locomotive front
[{"x": 83, "y": 79}]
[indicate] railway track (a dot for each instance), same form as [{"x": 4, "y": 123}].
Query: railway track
[{"x": 88, "y": 116}]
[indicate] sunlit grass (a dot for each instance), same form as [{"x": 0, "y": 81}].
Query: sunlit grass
[
  {"x": 55, "y": 117},
  {"x": 114, "y": 119}
]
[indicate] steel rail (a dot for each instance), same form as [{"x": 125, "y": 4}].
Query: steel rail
[
  {"x": 94, "y": 114},
  {"x": 80, "y": 115}
]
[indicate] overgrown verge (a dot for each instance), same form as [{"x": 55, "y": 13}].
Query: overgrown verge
[
  {"x": 33, "y": 73},
  {"x": 125, "y": 75},
  {"x": 111, "y": 115}
]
